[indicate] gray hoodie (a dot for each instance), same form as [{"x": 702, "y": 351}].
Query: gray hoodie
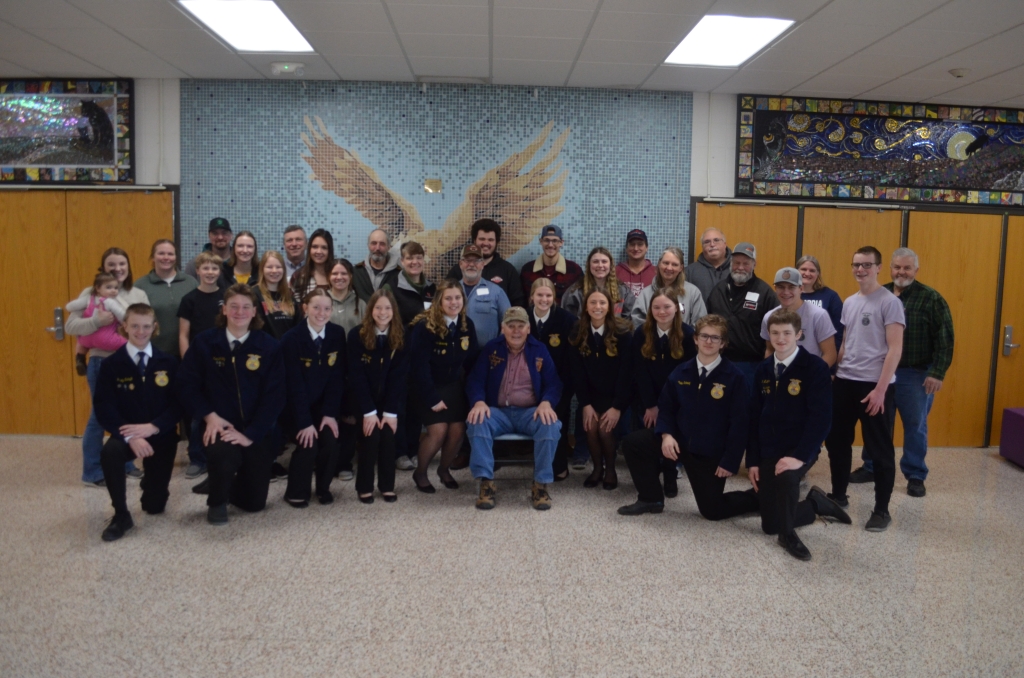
[
  {"x": 705, "y": 276},
  {"x": 691, "y": 304},
  {"x": 367, "y": 279}
]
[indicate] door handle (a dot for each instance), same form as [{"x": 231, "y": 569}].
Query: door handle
[
  {"x": 1008, "y": 344},
  {"x": 58, "y": 324}
]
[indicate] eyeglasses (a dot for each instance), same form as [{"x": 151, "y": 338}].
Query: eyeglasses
[
  {"x": 712, "y": 241},
  {"x": 865, "y": 266},
  {"x": 551, "y": 241},
  {"x": 710, "y": 338}
]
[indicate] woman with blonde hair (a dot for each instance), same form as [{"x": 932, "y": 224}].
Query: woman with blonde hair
[
  {"x": 239, "y": 269},
  {"x": 599, "y": 274},
  {"x": 671, "y": 278},
  {"x": 274, "y": 302}
]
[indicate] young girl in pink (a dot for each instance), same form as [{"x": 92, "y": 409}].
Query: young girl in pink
[{"x": 104, "y": 297}]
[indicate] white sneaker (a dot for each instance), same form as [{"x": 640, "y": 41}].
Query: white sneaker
[
  {"x": 346, "y": 476},
  {"x": 405, "y": 463}
]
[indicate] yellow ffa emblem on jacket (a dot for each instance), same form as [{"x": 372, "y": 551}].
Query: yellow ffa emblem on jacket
[
  {"x": 554, "y": 341},
  {"x": 540, "y": 364},
  {"x": 611, "y": 351},
  {"x": 332, "y": 358},
  {"x": 794, "y": 387},
  {"x": 465, "y": 343},
  {"x": 253, "y": 363},
  {"x": 718, "y": 391},
  {"x": 160, "y": 379}
]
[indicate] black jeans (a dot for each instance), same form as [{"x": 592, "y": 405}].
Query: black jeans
[
  {"x": 779, "y": 495},
  {"x": 239, "y": 474},
  {"x": 323, "y": 456},
  {"x": 157, "y": 469},
  {"x": 847, "y": 410},
  {"x": 376, "y": 453},
  {"x": 642, "y": 450}
]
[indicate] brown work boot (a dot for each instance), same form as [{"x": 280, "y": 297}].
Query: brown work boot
[
  {"x": 541, "y": 498},
  {"x": 486, "y": 501}
]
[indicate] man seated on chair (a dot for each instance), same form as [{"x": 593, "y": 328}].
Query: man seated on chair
[{"x": 512, "y": 388}]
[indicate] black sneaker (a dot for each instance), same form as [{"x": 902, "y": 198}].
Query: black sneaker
[
  {"x": 823, "y": 506},
  {"x": 671, "y": 487},
  {"x": 277, "y": 472},
  {"x": 217, "y": 515},
  {"x": 117, "y": 528},
  {"x": 878, "y": 522},
  {"x": 135, "y": 473},
  {"x": 862, "y": 475},
  {"x": 842, "y": 500},
  {"x": 325, "y": 498},
  {"x": 794, "y": 547},
  {"x": 915, "y": 487},
  {"x": 202, "y": 487},
  {"x": 641, "y": 507},
  {"x": 100, "y": 484}
]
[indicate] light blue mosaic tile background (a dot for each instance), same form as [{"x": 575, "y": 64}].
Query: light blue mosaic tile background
[{"x": 628, "y": 156}]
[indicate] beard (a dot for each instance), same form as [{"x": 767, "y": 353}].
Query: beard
[
  {"x": 740, "y": 278},
  {"x": 378, "y": 258},
  {"x": 902, "y": 282}
]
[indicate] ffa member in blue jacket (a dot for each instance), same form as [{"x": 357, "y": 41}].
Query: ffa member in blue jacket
[
  {"x": 513, "y": 387},
  {"x": 660, "y": 344},
  {"x": 703, "y": 418},
  {"x": 790, "y": 417},
  {"x": 443, "y": 348},
  {"x": 314, "y": 366},
  {"x": 552, "y": 326},
  {"x": 601, "y": 377},
  {"x": 135, "y": 400},
  {"x": 378, "y": 379},
  {"x": 233, "y": 379}
]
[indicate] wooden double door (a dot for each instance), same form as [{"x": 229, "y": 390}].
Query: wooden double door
[
  {"x": 51, "y": 243},
  {"x": 960, "y": 257}
]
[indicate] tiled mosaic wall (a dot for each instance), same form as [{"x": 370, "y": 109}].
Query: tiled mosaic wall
[{"x": 626, "y": 157}]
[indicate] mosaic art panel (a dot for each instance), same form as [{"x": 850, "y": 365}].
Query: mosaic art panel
[
  {"x": 866, "y": 150},
  {"x": 66, "y": 131},
  {"x": 351, "y": 157}
]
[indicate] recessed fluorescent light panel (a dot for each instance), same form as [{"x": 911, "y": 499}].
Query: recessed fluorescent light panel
[
  {"x": 721, "y": 40},
  {"x": 249, "y": 25}
]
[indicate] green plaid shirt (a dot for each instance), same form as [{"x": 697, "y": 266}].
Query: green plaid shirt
[{"x": 928, "y": 338}]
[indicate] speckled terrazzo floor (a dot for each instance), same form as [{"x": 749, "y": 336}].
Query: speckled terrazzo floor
[{"x": 429, "y": 586}]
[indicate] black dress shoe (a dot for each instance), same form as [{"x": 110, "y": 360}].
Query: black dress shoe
[
  {"x": 325, "y": 498},
  {"x": 878, "y": 522},
  {"x": 563, "y": 476},
  {"x": 117, "y": 528},
  {"x": 794, "y": 547},
  {"x": 862, "y": 475},
  {"x": 842, "y": 500},
  {"x": 217, "y": 515},
  {"x": 203, "y": 487},
  {"x": 449, "y": 482},
  {"x": 610, "y": 485},
  {"x": 915, "y": 487},
  {"x": 641, "y": 507},
  {"x": 425, "y": 489},
  {"x": 277, "y": 471},
  {"x": 297, "y": 503},
  {"x": 671, "y": 488},
  {"x": 594, "y": 479},
  {"x": 389, "y": 497},
  {"x": 366, "y": 500},
  {"x": 823, "y": 506}
]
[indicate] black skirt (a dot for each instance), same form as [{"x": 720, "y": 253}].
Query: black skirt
[{"x": 454, "y": 396}]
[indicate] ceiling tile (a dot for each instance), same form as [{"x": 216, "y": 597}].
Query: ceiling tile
[
  {"x": 626, "y": 51},
  {"x": 440, "y": 19},
  {"x": 541, "y": 23},
  {"x": 111, "y": 51},
  {"x": 688, "y": 78},
  {"x": 33, "y": 53},
  {"x": 883, "y": 14},
  {"x": 990, "y": 90},
  {"x": 530, "y": 72},
  {"x": 12, "y": 70},
  {"x": 592, "y": 74},
  {"x": 331, "y": 16},
  {"x": 130, "y": 16},
  {"x": 1016, "y": 102},
  {"x": 826, "y": 40},
  {"x": 633, "y": 26},
  {"x": 926, "y": 43},
  {"x": 388, "y": 69},
  {"x": 584, "y": 5},
  {"x": 355, "y": 44},
  {"x": 974, "y": 16},
  {"x": 450, "y": 46},
  {"x": 197, "y": 65},
  {"x": 850, "y": 84},
  {"x": 797, "y": 10},
  {"x": 699, "y": 7},
  {"x": 46, "y": 14},
  {"x": 535, "y": 49},
  {"x": 755, "y": 81},
  {"x": 905, "y": 89},
  {"x": 987, "y": 58},
  {"x": 465, "y": 68},
  {"x": 881, "y": 66},
  {"x": 795, "y": 60},
  {"x": 818, "y": 93}
]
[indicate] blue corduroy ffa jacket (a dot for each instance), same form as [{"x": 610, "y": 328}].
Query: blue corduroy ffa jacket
[
  {"x": 123, "y": 397},
  {"x": 713, "y": 418},
  {"x": 485, "y": 380},
  {"x": 378, "y": 378},
  {"x": 790, "y": 417},
  {"x": 315, "y": 380},
  {"x": 246, "y": 386},
  {"x": 439, "y": 361}
]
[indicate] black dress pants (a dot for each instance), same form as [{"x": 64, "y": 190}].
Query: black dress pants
[
  {"x": 713, "y": 502},
  {"x": 239, "y": 474},
  {"x": 157, "y": 473},
  {"x": 847, "y": 410},
  {"x": 376, "y": 453},
  {"x": 321, "y": 457},
  {"x": 642, "y": 450},
  {"x": 781, "y": 509}
]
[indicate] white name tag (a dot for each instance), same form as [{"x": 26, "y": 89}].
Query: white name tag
[
  {"x": 753, "y": 296},
  {"x": 426, "y": 305},
  {"x": 482, "y": 292},
  {"x": 682, "y": 307}
]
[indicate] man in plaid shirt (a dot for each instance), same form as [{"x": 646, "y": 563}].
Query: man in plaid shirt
[{"x": 927, "y": 354}]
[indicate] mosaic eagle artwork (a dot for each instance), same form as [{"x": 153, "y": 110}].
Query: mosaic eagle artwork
[{"x": 521, "y": 200}]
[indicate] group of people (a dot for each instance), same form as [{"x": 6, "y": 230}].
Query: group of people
[{"x": 683, "y": 369}]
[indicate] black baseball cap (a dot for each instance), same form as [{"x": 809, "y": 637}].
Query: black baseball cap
[
  {"x": 636, "y": 234},
  {"x": 219, "y": 223}
]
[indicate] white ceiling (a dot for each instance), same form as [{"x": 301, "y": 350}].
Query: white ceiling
[{"x": 885, "y": 49}]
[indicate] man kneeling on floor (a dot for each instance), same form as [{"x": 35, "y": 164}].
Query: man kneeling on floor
[
  {"x": 790, "y": 417},
  {"x": 512, "y": 388}
]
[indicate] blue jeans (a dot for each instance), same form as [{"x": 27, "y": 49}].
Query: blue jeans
[
  {"x": 513, "y": 420},
  {"x": 92, "y": 439},
  {"x": 913, "y": 405}
]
